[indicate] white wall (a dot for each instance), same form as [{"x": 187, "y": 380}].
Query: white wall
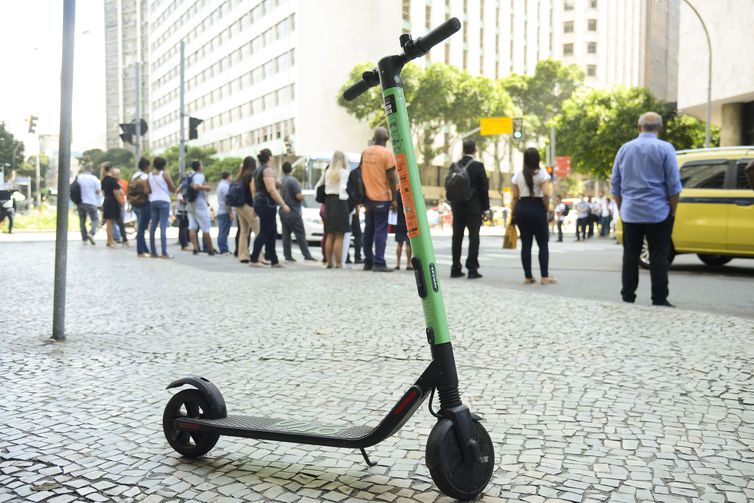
[{"x": 730, "y": 27}]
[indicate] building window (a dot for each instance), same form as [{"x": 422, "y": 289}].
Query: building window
[
  {"x": 591, "y": 48},
  {"x": 568, "y": 27},
  {"x": 567, "y": 4},
  {"x": 428, "y": 17},
  {"x": 593, "y": 4},
  {"x": 567, "y": 49},
  {"x": 406, "y": 15},
  {"x": 591, "y": 70},
  {"x": 591, "y": 25}
]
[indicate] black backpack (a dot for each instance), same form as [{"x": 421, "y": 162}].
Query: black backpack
[
  {"x": 566, "y": 210},
  {"x": 234, "y": 197},
  {"x": 187, "y": 189},
  {"x": 458, "y": 188},
  {"x": 76, "y": 191},
  {"x": 355, "y": 188}
]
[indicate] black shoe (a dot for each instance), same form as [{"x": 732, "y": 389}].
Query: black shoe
[
  {"x": 245, "y": 261},
  {"x": 457, "y": 274},
  {"x": 195, "y": 252},
  {"x": 310, "y": 259},
  {"x": 664, "y": 303},
  {"x": 212, "y": 253},
  {"x": 348, "y": 261},
  {"x": 474, "y": 275},
  {"x": 290, "y": 259},
  {"x": 629, "y": 300},
  {"x": 367, "y": 267},
  {"x": 358, "y": 261},
  {"x": 381, "y": 268}
]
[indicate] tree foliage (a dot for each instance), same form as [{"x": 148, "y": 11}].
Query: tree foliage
[
  {"x": 11, "y": 150},
  {"x": 594, "y": 124},
  {"x": 540, "y": 97},
  {"x": 205, "y": 155},
  {"x": 440, "y": 98}
]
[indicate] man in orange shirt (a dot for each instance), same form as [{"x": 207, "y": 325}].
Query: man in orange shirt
[{"x": 380, "y": 182}]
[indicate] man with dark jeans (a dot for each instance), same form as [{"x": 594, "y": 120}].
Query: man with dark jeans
[
  {"x": 646, "y": 186},
  {"x": 380, "y": 182},
  {"x": 292, "y": 221},
  {"x": 468, "y": 214},
  {"x": 91, "y": 188}
]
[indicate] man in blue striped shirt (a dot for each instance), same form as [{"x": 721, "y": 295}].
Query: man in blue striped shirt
[{"x": 646, "y": 185}]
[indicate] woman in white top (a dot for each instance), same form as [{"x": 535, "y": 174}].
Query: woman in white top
[
  {"x": 160, "y": 186},
  {"x": 337, "y": 222},
  {"x": 531, "y": 194},
  {"x": 143, "y": 211}
]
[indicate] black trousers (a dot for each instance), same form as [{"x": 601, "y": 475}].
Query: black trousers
[
  {"x": 581, "y": 224},
  {"x": 658, "y": 238},
  {"x": 472, "y": 221},
  {"x": 531, "y": 218},
  {"x": 357, "y": 235},
  {"x": 560, "y": 231}
]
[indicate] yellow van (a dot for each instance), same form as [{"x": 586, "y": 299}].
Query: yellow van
[{"x": 715, "y": 217}]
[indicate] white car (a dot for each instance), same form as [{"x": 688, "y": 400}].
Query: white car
[{"x": 312, "y": 221}]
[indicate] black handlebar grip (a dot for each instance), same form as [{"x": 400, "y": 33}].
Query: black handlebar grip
[
  {"x": 439, "y": 34},
  {"x": 356, "y": 90}
]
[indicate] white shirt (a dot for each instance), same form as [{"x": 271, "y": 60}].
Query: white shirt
[
  {"x": 90, "y": 185},
  {"x": 540, "y": 177},
  {"x": 336, "y": 188},
  {"x": 222, "y": 191},
  {"x": 159, "y": 186}
]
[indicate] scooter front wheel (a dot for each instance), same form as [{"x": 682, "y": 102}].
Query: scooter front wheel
[
  {"x": 187, "y": 403},
  {"x": 446, "y": 465}
]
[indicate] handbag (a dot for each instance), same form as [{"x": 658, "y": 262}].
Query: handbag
[
  {"x": 320, "y": 196},
  {"x": 510, "y": 240}
]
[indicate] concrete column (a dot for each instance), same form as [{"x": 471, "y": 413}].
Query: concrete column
[{"x": 731, "y": 131}]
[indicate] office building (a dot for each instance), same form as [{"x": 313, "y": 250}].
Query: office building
[
  {"x": 126, "y": 37},
  {"x": 266, "y": 73},
  {"x": 729, "y": 26}
]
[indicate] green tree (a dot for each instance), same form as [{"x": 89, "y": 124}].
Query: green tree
[
  {"x": 540, "y": 97},
  {"x": 11, "y": 151},
  {"x": 205, "y": 155},
  {"x": 595, "y": 124},
  {"x": 214, "y": 172},
  {"x": 29, "y": 168}
]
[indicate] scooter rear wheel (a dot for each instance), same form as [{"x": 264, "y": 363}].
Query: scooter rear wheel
[
  {"x": 445, "y": 461},
  {"x": 187, "y": 403}
]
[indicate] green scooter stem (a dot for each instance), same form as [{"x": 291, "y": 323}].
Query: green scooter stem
[{"x": 428, "y": 281}]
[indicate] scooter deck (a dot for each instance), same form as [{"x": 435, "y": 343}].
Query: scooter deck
[{"x": 285, "y": 430}]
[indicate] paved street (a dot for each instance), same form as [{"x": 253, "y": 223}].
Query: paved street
[{"x": 605, "y": 402}]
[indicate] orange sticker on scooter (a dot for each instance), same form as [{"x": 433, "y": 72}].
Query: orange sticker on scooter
[{"x": 407, "y": 195}]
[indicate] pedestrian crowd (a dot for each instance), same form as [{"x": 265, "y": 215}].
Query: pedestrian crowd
[{"x": 645, "y": 186}]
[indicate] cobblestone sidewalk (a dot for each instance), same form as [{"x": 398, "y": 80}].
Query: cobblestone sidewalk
[{"x": 585, "y": 401}]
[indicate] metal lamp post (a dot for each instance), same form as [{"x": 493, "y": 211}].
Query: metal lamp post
[{"x": 709, "y": 75}]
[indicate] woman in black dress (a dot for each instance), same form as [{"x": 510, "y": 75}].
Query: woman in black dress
[
  {"x": 337, "y": 216},
  {"x": 111, "y": 209}
]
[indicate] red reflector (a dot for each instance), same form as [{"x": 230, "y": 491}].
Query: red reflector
[
  {"x": 188, "y": 426},
  {"x": 410, "y": 396}
]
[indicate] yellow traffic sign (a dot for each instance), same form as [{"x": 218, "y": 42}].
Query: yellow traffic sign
[{"x": 489, "y": 126}]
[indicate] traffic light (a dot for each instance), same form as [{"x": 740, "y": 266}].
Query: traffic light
[
  {"x": 193, "y": 124},
  {"x": 128, "y": 132},
  {"x": 518, "y": 128},
  {"x": 32, "y": 123}
]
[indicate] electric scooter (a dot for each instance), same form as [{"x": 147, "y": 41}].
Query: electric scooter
[{"x": 459, "y": 452}]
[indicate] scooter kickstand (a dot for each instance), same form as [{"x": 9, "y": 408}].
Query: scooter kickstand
[{"x": 366, "y": 458}]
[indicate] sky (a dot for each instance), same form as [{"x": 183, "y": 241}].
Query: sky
[{"x": 31, "y": 33}]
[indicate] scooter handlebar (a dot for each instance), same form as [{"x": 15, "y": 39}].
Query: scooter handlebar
[
  {"x": 437, "y": 35},
  {"x": 358, "y": 88}
]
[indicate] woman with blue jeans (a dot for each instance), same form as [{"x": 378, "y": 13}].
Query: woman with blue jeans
[
  {"x": 266, "y": 197},
  {"x": 530, "y": 199},
  {"x": 161, "y": 186}
]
